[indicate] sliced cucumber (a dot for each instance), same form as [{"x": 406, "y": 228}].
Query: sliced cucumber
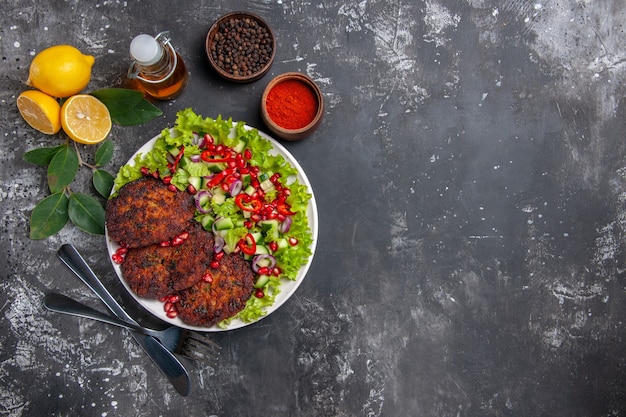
[
  {"x": 239, "y": 146},
  {"x": 218, "y": 198},
  {"x": 261, "y": 281},
  {"x": 196, "y": 182},
  {"x": 207, "y": 221},
  {"x": 224, "y": 223},
  {"x": 267, "y": 185},
  {"x": 261, "y": 250}
]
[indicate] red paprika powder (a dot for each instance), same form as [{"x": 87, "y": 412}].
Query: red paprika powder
[{"x": 291, "y": 104}]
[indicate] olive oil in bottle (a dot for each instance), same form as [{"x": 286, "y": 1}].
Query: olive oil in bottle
[{"x": 158, "y": 69}]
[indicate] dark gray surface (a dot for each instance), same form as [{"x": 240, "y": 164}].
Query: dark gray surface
[{"x": 470, "y": 175}]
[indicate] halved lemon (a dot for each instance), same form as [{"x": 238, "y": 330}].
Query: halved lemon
[
  {"x": 40, "y": 111},
  {"x": 85, "y": 119}
]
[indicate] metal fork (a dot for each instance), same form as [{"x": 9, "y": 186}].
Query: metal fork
[
  {"x": 70, "y": 256},
  {"x": 192, "y": 345}
]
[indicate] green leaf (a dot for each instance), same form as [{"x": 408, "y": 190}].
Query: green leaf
[
  {"x": 62, "y": 169},
  {"x": 42, "y": 156},
  {"x": 104, "y": 153},
  {"x": 103, "y": 182},
  {"x": 127, "y": 107},
  {"x": 49, "y": 216},
  {"x": 87, "y": 213}
]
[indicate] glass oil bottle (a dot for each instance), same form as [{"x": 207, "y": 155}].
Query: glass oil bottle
[{"x": 158, "y": 69}]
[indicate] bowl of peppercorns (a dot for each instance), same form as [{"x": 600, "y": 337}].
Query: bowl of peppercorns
[{"x": 240, "y": 47}]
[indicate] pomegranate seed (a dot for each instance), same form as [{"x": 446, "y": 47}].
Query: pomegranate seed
[
  {"x": 165, "y": 244},
  {"x": 208, "y": 138},
  {"x": 172, "y": 188},
  {"x": 293, "y": 241},
  {"x": 121, "y": 251},
  {"x": 168, "y": 305},
  {"x": 172, "y": 314},
  {"x": 276, "y": 271},
  {"x": 164, "y": 298},
  {"x": 191, "y": 189},
  {"x": 145, "y": 171},
  {"x": 264, "y": 270},
  {"x": 273, "y": 246},
  {"x": 177, "y": 241},
  {"x": 259, "y": 293},
  {"x": 118, "y": 259},
  {"x": 155, "y": 174},
  {"x": 219, "y": 255},
  {"x": 214, "y": 264},
  {"x": 207, "y": 277},
  {"x": 167, "y": 180},
  {"x": 247, "y": 154},
  {"x": 248, "y": 224}
]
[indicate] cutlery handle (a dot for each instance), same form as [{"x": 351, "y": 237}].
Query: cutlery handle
[
  {"x": 165, "y": 360},
  {"x": 70, "y": 257},
  {"x": 60, "y": 303}
]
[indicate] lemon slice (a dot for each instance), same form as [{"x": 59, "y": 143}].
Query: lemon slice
[
  {"x": 85, "y": 119},
  {"x": 40, "y": 111}
]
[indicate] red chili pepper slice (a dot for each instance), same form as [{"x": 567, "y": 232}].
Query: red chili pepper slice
[
  {"x": 216, "y": 179},
  {"x": 284, "y": 209},
  {"x": 247, "y": 203},
  {"x": 174, "y": 166},
  {"x": 207, "y": 155},
  {"x": 247, "y": 244}
]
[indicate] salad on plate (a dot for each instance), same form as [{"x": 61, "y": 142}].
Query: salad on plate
[{"x": 248, "y": 191}]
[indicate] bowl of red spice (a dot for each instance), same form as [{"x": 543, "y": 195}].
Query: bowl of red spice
[
  {"x": 292, "y": 106},
  {"x": 240, "y": 47}
]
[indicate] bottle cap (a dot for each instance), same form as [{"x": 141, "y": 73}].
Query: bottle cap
[{"x": 145, "y": 50}]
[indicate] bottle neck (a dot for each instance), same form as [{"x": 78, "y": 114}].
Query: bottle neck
[{"x": 160, "y": 70}]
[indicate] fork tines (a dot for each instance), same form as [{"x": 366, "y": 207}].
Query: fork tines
[{"x": 199, "y": 347}]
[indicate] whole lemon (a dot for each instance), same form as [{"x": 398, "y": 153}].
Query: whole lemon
[{"x": 60, "y": 71}]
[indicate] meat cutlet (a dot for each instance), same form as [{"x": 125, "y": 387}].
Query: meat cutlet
[
  {"x": 156, "y": 271},
  {"x": 208, "y": 303},
  {"x": 146, "y": 212}
]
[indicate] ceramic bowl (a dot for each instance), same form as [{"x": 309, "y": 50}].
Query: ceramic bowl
[
  {"x": 292, "y": 132},
  {"x": 220, "y": 51}
]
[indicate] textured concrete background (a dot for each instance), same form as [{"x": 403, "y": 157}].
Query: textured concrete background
[{"x": 470, "y": 176}]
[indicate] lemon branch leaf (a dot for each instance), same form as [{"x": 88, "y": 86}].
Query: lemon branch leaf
[
  {"x": 86, "y": 213},
  {"x": 42, "y": 156},
  {"x": 62, "y": 169},
  {"x": 49, "y": 216},
  {"x": 127, "y": 107},
  {"x": 103, "y": 182},
  {"x": 104, "y": 153}
]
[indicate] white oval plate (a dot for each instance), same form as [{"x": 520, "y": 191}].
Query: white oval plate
[{"x": 287, "y": 287}]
